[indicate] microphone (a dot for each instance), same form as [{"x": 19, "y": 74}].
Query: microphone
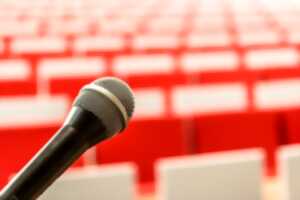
[{"x": 101, "y": 110}]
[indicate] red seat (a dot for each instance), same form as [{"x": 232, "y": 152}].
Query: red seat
[
  {"x": 16, "y": 88},
  {"x": 292, "y": 119},
  {"x": 237, "y": 131},
  {"x": 18, "y": 146},
  {"x": 69, "y": 86},
  {"x": 143, "y": 142}
]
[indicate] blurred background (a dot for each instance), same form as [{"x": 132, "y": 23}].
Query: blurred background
[{"x": 208, "y": 75}]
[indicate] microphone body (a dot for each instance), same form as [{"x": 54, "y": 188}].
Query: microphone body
[
  {"x": 101, "y": 110},
  {"x": 81, "y": 131}
]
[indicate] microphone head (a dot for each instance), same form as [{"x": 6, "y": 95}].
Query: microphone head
[
  {"x": 110, "y": 100},
  {"x": 121, "y": 90}
]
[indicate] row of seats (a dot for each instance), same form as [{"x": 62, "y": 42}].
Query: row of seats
[
  {"x": 262, "y": 74},
  {"x": 264, "y": 20},
  {"x": 160, "y": 25},
  {"x": 219, "y": 85},
  {"x": 169, "y": 137},
  {"x": 125, "y": 65},
  {"x": 205, "y": 98},
  {"x": 202, "y": 118},
  {"x": 148, "y": 41},
  {"x": 261, "y": 17},
  {"x": 80, "y": 7},
  {"x": 231, "y": 175}
]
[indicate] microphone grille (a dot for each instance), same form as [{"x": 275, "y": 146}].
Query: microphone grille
[{"x": 121, "y": 90}]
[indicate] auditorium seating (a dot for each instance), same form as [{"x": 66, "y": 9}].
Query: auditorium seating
[
  {"x": 208, "y": 75},
  {"x": 145, "y": 142},
  {"x": 21, "y": 144},
  {"x": 238, "y": 131},
  {"x": 26, "y": 125},
  {"x": 151, "y": 135},
  {"x": 234, "y": 129}
]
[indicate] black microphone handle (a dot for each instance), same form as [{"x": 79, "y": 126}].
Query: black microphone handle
[{"x": 65, "y": 147}]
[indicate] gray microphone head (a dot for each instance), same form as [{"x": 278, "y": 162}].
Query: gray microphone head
[{"x": 109, "y": 99}]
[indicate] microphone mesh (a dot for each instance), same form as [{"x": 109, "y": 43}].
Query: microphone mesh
[{"x": 121, "y": 90}]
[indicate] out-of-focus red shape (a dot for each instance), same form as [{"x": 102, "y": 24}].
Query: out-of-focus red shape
[
  {"x": 143, "y": 143},
  {"x": 18, "y": 146},
  {"x": 293, "y": 126},
  {"x": 238, "y": 131}
]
